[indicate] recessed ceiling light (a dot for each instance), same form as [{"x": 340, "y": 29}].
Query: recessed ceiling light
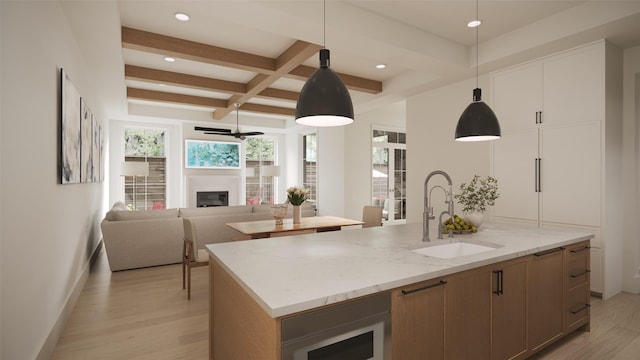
[
  {"x": 169, "y": 59},
  {"x": 182, "y": 16},
  {"x": 381, "y": 66},
  {"x": 474, "y": 23}
]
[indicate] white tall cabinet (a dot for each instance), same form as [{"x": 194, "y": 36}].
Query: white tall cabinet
[{"x": 558, "y": 161}]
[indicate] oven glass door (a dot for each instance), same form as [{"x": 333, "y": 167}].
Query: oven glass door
[{"x": 365, "y": 343}]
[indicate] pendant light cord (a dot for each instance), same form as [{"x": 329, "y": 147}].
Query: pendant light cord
[
  {"x": 324, "y": 24},
  {"x": 477, "y": 44}
]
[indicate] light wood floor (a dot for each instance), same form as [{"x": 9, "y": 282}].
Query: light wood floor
[
  {"x": 145, "y": 314},
  {"x": 138, "y": 314}
]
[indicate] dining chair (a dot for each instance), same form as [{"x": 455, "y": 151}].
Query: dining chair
[
  {"x": 372, "y": 216},
  {"x": 191, "y": 255}
]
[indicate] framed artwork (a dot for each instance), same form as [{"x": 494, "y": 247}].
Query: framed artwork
[
  {"x": 70, "y": 129},
  {"x": 86, "y": 139},
  {"x": 95, "y": 150},
  {"x": 207, "y": 154},
  {"x": 98, "y": 154}
]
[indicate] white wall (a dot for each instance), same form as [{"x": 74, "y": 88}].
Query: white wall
[
  {"x": 431, "y": 124},
  {"x": 291, "y": 169},
  {"x": 331, "y": 173},
  {"x": 631, "y": 169},
  {"x": 49, "y": 230},
  {"x": 357, "y": 156}
]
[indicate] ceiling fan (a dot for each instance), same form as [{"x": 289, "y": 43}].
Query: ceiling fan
[{"x": 237, "y": 134}]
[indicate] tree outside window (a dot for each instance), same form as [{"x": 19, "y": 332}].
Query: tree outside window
[
  {"x": 260, "y": 151},
  {"x": 146, "y": 145}
]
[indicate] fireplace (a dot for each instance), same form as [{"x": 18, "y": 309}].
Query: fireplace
[
  {"x": 194, "y": 184},
  {"x": 212, "y": 198}
]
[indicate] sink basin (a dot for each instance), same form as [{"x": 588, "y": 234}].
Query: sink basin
[{"x": 453, "y": 250}]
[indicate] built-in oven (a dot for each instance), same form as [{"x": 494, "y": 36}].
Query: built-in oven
[{"x": 354, "y": 330}]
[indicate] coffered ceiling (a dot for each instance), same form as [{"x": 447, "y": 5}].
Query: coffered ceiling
[{"x": 259, "y": 53}]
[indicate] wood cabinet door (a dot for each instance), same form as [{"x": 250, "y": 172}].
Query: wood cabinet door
[
  {"x": 546, "y": 283},
  {"x": 514, "y": 165},
  {"x": 417, "y": 317},
  {"x": 509, "y": 309},
  {"x": 517, "y": 97},
  {"x": 468, "y": 315},
  {"x": 577, "y": 285}
]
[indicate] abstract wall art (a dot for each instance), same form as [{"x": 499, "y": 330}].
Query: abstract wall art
[{"x": 71, "y": 144}]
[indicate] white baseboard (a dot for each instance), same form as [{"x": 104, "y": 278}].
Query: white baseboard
[{"x": 54, "y": 335}]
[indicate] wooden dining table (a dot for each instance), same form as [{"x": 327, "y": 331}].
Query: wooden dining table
[{"x": 311, "y": 224}]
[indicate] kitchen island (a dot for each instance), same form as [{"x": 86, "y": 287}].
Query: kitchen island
[{"x": 255, "y": 284}]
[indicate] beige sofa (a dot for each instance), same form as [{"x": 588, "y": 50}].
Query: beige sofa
[{"x": 136, "y": 239}]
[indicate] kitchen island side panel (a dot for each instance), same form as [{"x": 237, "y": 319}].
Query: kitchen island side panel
[{"x": 238, "y": 327}]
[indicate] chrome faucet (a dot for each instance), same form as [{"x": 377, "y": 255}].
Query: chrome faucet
[
  {"x": 428, "y": 209},
  {"x": 440, "y": 232}
]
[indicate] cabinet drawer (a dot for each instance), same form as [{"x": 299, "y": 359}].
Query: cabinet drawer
[
  {"x": 578, "y": 264},
  {"x": 577, "y": 306}
]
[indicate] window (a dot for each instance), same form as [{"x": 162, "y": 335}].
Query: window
[
  {"x": 389, "y": 176},
  {"x": 310, "y": 165},
  {"x": 146, "y": 145},
  {"x": 260, "y": 151}
]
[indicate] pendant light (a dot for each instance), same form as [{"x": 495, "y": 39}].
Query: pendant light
[
  {"x": 324, "y": 99},
  {"x": 477, "y": 122}
]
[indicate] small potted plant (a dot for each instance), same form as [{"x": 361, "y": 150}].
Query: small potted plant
[{"x": 475, "y": 196}]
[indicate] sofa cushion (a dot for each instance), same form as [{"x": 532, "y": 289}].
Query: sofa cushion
[
  {"x": 262, "y": 208},
  {"x": 215, "y": 210},
  {"x": 117, "y": 206},
  {"x": 141, "y": 243},
  {"x": 214, "y": 229},
  {"x": 144, "y": 214}
]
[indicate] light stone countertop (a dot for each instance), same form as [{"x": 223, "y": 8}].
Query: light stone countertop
[{"x": 286, "y": 275}]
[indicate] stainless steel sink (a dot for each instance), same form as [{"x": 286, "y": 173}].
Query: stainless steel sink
[{"x": 453, "y": 250}]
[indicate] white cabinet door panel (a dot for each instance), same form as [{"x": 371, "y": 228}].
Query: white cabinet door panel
[
  {"x": 514, "y": 167},
  {"x": 517, "y": 96},
  {"x": 574, "y": 87},
  {"x": 570, "y": 173}
]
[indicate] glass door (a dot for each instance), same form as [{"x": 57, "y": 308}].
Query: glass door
[{"x": 389, "y": 174}]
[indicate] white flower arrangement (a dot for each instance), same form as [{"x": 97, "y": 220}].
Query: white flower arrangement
[{"x": 297, "y": 195}]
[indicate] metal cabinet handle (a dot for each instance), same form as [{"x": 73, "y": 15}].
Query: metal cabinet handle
[
  {"x": 583, "y": 249},
  {"x": 536, "y": 169},
  {"x": 547, "y": 252},
  {"x": 407, "y": 292},
  {"x": 580, "y": 273},
  {"x": 582, "y": 308},
  {"x": 539, "y": 174},
  {"x": 499, "y": 282}
]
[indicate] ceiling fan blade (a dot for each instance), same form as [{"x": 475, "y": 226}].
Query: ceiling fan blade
[
  {"x": 219, "y": 133},
  {"x": 253, "y": 133},
  {"x": 200, "y": 128}
]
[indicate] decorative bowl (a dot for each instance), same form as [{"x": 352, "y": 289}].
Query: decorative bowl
[{"x": 279, "y": 211}]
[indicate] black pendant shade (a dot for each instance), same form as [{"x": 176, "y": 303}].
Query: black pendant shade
[
  {"x": 324, "y": 99},
  {"x": 477, "y": 122}
]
